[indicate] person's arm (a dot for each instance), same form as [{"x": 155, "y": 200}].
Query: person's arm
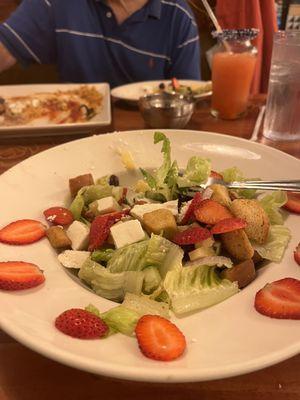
[
  {"x": 7, "y": 60},
  {"x": 29, "y": 34}
]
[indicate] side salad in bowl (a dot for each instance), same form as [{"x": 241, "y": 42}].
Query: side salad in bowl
[{"x": 158, "y": 250}]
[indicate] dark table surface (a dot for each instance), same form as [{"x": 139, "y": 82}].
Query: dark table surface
[{"x": 25, "y": 375}]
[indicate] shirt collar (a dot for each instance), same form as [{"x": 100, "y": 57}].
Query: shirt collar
[{"x": 153, "y": 8}]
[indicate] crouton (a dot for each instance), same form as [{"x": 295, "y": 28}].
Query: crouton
[
  {"x": 237, "y": 244},
  {"x": 58, "y": 237},
  {"x": 80, "y": 181},
  {"x": 255, "y": 216},
  {"x": 220, "y": 194},
  {"x": 242, "y": 273},
  {"x": 161, "y": 220}
]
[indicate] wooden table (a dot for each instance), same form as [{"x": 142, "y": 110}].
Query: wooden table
[{"x": 25, "y": 375}]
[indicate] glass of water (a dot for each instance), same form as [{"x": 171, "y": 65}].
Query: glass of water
[{"x": 282, "y": 119}]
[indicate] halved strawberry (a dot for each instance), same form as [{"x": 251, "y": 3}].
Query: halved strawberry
[
  {"x": 192, "y": 235},
  {"x": 189, "y": 215},
  {"x": 59, "y": 216},
  {"x": 216, "y": 175},
  {"x": 210, "y": 212},
  {"x": 297, "y": 254},
  {"x": 81, "y": 324},
  {"x": 19, "y": 275},
  {"x": 159, "y": 339},
  {"x": 293, "y": 203},
  {"x": 279, "y": 299},
  {"x": 228, "y": 225},
  {"x": 23, "y": 231}
]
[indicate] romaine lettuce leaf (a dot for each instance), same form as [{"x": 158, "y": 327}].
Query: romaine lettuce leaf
[
  {"x": 196, "y": 287},
  {"x": 163, "y": 170},
  {"x": 271, "y": 203},
  {"x": 118, "y": 319},
  {"x": 102, "y": 255},
  {"x": 144, "y": 305},
  {"x": 233, "y": 174},
  {"x": 155, "y": 252},
  {"x": 152, "y": 280},
  {"x": 112, "y": 286},
  {"x": 197, "y": 171},
  {"x": 121, "y": 319},
  {"x": 77, "y": 204},
  {"x": 278, "y": 239}
]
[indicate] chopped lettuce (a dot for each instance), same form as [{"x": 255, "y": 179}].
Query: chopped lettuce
[
  {"x": 144, "y": 305},
  {"x": 112, "y": 286},
  {"x": 278, "y": 239},
  {"x": 128, "y": 258},
  {"x": 118, "y": 319},
  {"x": 152, "y": 280},
  {"x": 197, "y": 171},
  {"x": 96, "y": 192},
  {"x": 121, "y": 319},
  {"x": 77, "y": 204},
  {"x": 87, "y": 195},
  {"x": 271, "y": 203},
  {"x": 102, "y": 255},
  {"x": 196, "y": 287},
  {"x": 163, "y": 170},
  {"x": 235, "y": 175},
  {"x": 155, "y": 252}
]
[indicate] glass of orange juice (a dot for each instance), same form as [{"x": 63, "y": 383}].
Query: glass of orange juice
[{"x": 233, "y": 68}]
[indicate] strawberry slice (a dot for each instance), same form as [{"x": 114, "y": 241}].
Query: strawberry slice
[
  {"x": 19, "y": 275},
  {"x": 59, "y": 216},
  {"x": 192, "y": 235},
  {"x": 216, "y": 175},
  {"x": 159, "y": 339},
  {"x": 100, "y": 228},
  {"x": 23, "y": 231},
  {"x": 293, "y": 203},
  {"x": 81, "y": 324},
  {"x": 210, "y": 212},
  {"x": 228, "y": 225},
  {"x": 297, "y": 254},
  {"x": 189, "y": 215},
  {"x": 279, "y": 299},
  {"x": 99, "y": 231}
]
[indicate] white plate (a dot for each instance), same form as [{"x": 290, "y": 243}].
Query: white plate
[
  {"x": 133, "y": 91},
  {"x": 228, "y": 339},
  {"x": 102, "y": 118}
]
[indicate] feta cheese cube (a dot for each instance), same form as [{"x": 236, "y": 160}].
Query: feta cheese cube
[
  {"x": 127, "y": 233},
  {"x": 73, "y": 258},
  {"x": 138, "y": 211},
  {"x": 78, "y": 233},
  {"x": 107, "y": 205}
]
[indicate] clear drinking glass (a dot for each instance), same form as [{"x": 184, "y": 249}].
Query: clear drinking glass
[
  {"x": 232, "y": 73},
  {"x": 282, "y": 119}
]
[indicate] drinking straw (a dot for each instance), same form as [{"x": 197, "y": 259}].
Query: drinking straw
[{"x": 215, "y": 22}]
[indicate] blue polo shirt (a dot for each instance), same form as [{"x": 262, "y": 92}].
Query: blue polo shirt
[{"x": 84, "y": 39}]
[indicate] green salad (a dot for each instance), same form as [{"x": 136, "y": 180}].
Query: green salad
[{"x": 157, "y": 247}]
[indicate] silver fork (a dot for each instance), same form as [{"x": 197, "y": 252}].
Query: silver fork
[{"x": 289, "y": 185}]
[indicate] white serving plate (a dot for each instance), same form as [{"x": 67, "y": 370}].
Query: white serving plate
[
  {"x": 133, "y": 91},
  {"x": 102, "y": 118},
  {"x": 228, "y": 339}
]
